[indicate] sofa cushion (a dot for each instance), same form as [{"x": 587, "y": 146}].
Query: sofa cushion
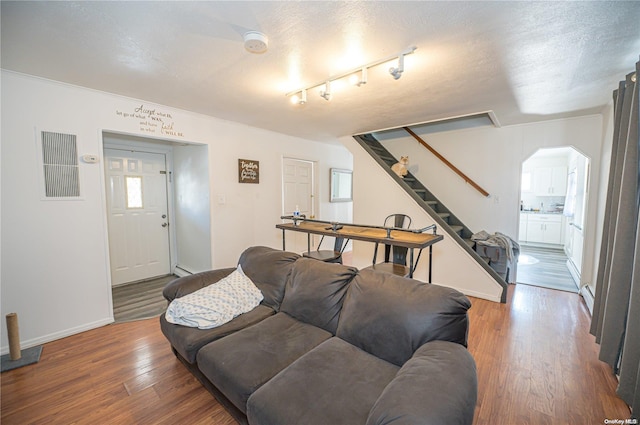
[
  {"x": 188, "y": 284},
  {"x": 315, "y": 292},
  {"x": 335, "y": 383},
  {"x": 438, "y": 385},
  {"x": 391, "y": 316},
  {"x": 242, "y": 362},
  {"x": 268, "y": 268},
  {"x": 187, "y": 341}
]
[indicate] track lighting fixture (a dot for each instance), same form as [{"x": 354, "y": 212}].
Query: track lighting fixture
[
  {"x": 356, "y": 76},
  {"x": 326, "y": 92},
  {"x": 300, "y": 99},
  {"x": 397, "y": 71},
  {"x": 356, "y": 80}
]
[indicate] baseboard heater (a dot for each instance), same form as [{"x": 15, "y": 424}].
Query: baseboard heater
[
  {"x": 588, "y": 297},
  {"x": 573, "y": 270}
]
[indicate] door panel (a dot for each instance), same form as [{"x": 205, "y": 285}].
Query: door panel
[
  {"x": 137, "y": 210},
  {"x": 298, "y": 190}
]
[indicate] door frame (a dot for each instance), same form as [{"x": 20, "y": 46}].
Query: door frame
[{"x": 145, "y": 147}]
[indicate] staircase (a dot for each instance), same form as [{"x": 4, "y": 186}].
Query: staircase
[{"x": 443, "y": 217}]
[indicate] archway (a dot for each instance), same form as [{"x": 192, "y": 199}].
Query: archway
[{"x": 553, "y": 201}]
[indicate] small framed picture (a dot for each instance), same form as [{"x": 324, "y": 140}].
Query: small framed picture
[{"x": 248, "y": 171}]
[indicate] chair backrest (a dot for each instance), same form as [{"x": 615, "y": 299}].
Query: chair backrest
[
  {"x": 338, "y": 245},
  {"x": 402, "y": 221}
]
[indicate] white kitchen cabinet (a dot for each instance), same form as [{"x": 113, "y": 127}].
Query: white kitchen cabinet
[
  {"x": 550, "y": 181},
  {"x": 544, "y": 228}
]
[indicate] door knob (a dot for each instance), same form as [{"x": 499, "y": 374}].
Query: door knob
[{"x": 165, "y": 224}]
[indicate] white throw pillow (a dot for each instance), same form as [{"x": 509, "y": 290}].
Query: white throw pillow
[{"x": 216, "y": 304}]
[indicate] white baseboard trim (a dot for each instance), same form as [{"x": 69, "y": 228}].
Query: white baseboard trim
[
  {"x": 575, "y": 273},
  {"x": 180, "y": 272},
  {"x": 59, "y": 335},
  {"x": 475, "y": 294}
]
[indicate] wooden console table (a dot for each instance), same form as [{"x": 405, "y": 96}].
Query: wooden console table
[{"x": 409, "y": 238}]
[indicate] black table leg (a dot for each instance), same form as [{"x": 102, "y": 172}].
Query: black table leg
[
  {"x": 411, "y": 265},
  {"x": 430, "y": 260}
]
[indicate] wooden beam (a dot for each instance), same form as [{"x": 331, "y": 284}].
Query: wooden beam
[{"x": 450, "y": 165}]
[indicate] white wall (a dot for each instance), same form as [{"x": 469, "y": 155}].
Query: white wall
[
  {"x": 55, "y": 271},
  {"x": 493, "y": 158},
  {"x": 192, "y": 207}
]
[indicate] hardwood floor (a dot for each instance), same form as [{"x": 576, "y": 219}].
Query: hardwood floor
[
  {"x": 536, "y": 363},
  {"x": 140, "y": 300},
  {"x": 123, "y": 373}
]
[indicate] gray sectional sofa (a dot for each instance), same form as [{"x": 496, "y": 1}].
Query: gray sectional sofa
[{"x": 333, "y": 345}]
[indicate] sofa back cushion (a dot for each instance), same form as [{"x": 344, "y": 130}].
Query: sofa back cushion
[
  {"x": 268, "y": 269},
  {"x": 315, "y": 292},
  {"x": 391, "y": 316}
]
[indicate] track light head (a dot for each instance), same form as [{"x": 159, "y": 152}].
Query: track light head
[
  {"x": 326, "y": 93},
  {"x": 356, "y": 80},
  {"x": 396, "y": 72},
  {"x": 300, "y": 99}
]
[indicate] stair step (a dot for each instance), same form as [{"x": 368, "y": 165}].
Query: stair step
[
  {"x": 444, "y": 216},
  {"x": 456, "y": 229},
  {"x": 469, "y": 243},
  {"x": 432, "y": 204}
]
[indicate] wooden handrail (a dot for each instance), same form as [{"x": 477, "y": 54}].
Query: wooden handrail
[{"x": 450, "y": 165}]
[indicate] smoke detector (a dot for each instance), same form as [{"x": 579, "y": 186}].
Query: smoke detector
[{"x": 255, "y": 42}]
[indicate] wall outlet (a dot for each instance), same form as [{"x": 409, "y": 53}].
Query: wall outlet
[{"x": 222, "y": 199}]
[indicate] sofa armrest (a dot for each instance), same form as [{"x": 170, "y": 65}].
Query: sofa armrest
[
  {"x": 187, "y": 284},
  {"x": 438, "y": 385}
]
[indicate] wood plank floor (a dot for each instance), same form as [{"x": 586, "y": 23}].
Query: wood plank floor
[
  {"x": 536, "y": 362},
  {"x": 140, "y": 300},
  {"x": 546, "y": 267},
  {"x": 123, "y": 373}
]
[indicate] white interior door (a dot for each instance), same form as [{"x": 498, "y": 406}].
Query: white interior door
[
  {"x": 298, "y": 180},
  {"x": 137, "y": 215}
]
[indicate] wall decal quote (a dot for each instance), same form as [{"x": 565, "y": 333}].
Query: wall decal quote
[{"x": 152, "y": 120}]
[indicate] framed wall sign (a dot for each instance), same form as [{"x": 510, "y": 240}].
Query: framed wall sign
[
  {"x": 341, "y": 185},
  {"x": 248, "y": 171}
]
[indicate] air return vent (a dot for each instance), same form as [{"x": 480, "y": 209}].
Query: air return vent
[{"x": 60, "y": 165}]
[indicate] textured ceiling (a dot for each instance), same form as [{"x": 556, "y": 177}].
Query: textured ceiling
[{"x": 526, "y": 61}]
